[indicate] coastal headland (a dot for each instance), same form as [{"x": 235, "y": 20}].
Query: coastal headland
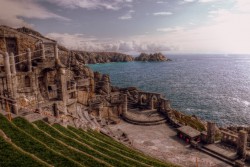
[{"x": 42, "y": 80}]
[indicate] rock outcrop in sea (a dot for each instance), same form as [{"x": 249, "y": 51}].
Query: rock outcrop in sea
[
  {"x": 156, "y": 57},
  {"x": 43, "y": 81}
]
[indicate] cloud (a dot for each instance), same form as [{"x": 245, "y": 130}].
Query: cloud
[
  {"x": 87, "y": 43},
  {"x": 243, "y": 5},
  {"x": 201, "y": 1},
  {"x": 189, "y": 0},
  {"x": 161, "y": 2},
  {"x": 12, "y": 12},
  {"x": 226, "y": 31},
  {"x": 162, "y": 13},
  {"x": 169, "y": 29},
  {"x": 206, "y": 1},
  {"x": 127, "y": 16},
  {"x": 93, "y": 4}
]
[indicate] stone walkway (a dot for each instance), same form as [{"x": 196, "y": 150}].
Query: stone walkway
[
  {"x": 161, "y": 141},
  {"x": 222, "y": 151}
]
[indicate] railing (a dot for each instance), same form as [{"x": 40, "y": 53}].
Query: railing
[{"x": 229, "y": 138}]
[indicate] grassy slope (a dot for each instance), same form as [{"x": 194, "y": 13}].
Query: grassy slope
[
  {"x": 76, "y": 144},
  {"x": 29, "y": 144},
  {"x": 104, "y": 149},
  {"x": 56, "y": 145},
  {"x": 10, "y": 156},
  {"x": 61, "y": 146},
  {"x": 138, "y": 155},
  {"x": 105, "y": 141}
]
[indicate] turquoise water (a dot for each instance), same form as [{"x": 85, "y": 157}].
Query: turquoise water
[{"x": 213, "y": 87}]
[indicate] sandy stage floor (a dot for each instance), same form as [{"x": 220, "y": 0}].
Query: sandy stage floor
[{"x": 161, "y": 141}]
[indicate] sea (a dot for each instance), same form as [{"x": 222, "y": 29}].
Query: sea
[{"x": 213, "y": 87}]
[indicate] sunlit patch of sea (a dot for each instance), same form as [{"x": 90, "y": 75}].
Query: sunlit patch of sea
[{"x": 213, "y": 87}]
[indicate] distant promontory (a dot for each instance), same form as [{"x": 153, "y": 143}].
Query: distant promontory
[
  {"x": 107, "y": 57},
  {"x": 156, "y": 57},
  {"x": 102, "y": 57}
]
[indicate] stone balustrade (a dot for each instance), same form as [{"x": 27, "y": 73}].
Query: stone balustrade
[{"x": 229, "y": 138}]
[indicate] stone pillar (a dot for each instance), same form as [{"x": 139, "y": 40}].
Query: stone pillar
[
  {"x": 167, "y": 105},
  {"x": 29, "y": 60},
  {"x": 211, "y": 132},
  {"x": 125, "y": 104},
  {"x": 152, "y": 103},
  {"x": 7, "y": 64},
  {"x": 242, "y": 144},
  {"x": 13, "y": 64},
  {"x": 14, "y": 82},
  {"x": 56, "y": 51},
  {"x": 7, "y": 70},
  {"x": 62, "y": 91},
  {"x": 43, "y": 51}
]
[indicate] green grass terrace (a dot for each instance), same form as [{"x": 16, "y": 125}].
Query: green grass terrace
[{"x": 25, "y": 144}]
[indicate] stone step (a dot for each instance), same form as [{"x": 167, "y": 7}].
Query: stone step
[
  {"x": 32, "y": 117},
  {"x": 145, "y": 123},
  {"x": 230, "y": 162},
  {"x": 232, "y": 156},
  {"x": 6, "y": 114}
]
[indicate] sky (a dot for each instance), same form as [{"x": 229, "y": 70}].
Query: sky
[{"x": 133, "y": 26}]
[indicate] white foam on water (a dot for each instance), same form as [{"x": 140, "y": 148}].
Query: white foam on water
[{"x": 239, "y": 100}]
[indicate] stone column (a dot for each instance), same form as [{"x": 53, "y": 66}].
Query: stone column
[
  {"x": 7, "y": 70},
  {"x": 13, "y": 65},
  {"x": 7, "y": 64},
  {"x": 125, "y": 104},
  {"x": 62, "y": 91},
  {"x": 167, "y": 105},
  {"x": 43, "y": 51},
  {"x": 242, "y": 144},
  {"x": 29, "y": 60},
  {"x": 211, "y": 132},
  {"x": 56, "y": 51},
  {"x": 14, "y": 82}
]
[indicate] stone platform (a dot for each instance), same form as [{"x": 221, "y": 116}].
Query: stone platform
[
  {"x": 222, "y": 150},
  {"x": 144, "y": 117}
]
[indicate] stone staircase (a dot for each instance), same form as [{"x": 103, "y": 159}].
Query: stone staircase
[
  {"x": 144, "y": 117},
  {"x": 224, "y": 155}
]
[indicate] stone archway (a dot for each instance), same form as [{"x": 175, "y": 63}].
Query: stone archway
[
  {"x": 143, "y": 99},
  {"x": 47, "y": 81},
  {"x": 154, "y": 102}
]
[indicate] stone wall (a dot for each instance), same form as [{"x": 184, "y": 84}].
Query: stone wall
[{"x": 23, "y": 41}]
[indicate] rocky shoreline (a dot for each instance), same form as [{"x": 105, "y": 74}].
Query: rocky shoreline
[
  {"x": 107, "y": 57},
  {"x": 55, "y": 82}
]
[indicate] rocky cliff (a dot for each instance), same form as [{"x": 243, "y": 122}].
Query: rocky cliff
[
  {"x": 107, "y": 57},
  {"x": 151, "y": 57},
  {"x": 101, "y": 57}
]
